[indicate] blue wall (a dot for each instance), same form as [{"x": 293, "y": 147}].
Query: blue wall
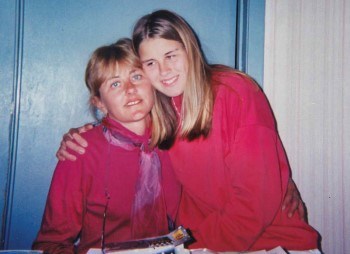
[
  {"x": 250, "y": 38},
  {"x": 44, "y": 49}
]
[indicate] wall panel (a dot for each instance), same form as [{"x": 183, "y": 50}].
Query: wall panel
[{"x": 307, "y": 80}]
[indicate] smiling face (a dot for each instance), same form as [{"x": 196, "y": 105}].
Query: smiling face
[
  {"x": 127, "y": 96},
  {"x": 166, "y": 65}
]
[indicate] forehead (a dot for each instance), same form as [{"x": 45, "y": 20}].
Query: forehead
[
  {"x": 157, "y": 46},
  {"x": 120, "y": 68}
]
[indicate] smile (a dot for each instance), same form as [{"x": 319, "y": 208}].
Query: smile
[
  {"x": 132, "y": 103},
  {"x": 170, "y": 82}
]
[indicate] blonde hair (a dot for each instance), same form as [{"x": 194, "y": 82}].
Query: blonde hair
[
  {"x": 105, "y": 60},
  {"x": 103, "y": 63},
  {"x": 198, "y": 99}
]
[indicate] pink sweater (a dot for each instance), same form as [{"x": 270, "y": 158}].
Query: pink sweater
[
  {"x": 76, "y": 200},
  {"x": 235, "y": 180}
]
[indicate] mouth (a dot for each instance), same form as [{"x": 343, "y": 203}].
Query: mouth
[
  {"x": 132, "y": 103},
  {"x": 170, "y": 82}
]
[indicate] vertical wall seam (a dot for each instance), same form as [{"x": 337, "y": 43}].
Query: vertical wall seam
[
  {"x": 246, "y": 34},
  {"x": 15, "y": 115},
  {"x": 343, "y": 149},
  {"x": 241, "y": 35}
]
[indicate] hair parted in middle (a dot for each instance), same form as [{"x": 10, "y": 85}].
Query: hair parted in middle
[{"x": 197, "y": 102}]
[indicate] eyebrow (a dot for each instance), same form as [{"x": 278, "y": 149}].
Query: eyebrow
[
  {"x": 130, "y": 72},
  {"x": 113, "y": 77},
  {"x": 171, "y": 51},
  {"x": 145, "y": 61},
  {"x": 167, "y": 53}
]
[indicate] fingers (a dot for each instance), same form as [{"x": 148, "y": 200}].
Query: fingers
[
  {"x": 76, "y": 147},
  {"x": 81, "y": 143},
  {"x": 293, "y": 205},
  {"x": 73, "y": 141},
  {"x": 301, "y": 210},
  {"x": 74, "y": 134},
  {"x": 69, "y": 140},
  {"x": 290, "y": 194},
  {"x": 286, "y": 201},
  {"x": 88, "y": 126},
  {"x": 59, "y": 154},
  {"x": 63, "y": 155},
  {"x": 82, "y": 129},
  {"x": 292, "y": 201},
  {"x": 72, "y": 131}
]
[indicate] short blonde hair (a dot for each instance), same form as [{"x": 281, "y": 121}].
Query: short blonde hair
[{"x": 105, "y": 60}]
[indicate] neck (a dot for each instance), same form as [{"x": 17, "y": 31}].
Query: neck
[{"x": 138, "y": 127}]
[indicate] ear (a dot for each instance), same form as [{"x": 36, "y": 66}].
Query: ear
[{"x": 98, "y": 104}]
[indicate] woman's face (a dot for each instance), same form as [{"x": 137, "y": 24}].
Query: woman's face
[
  {"x": 166, "y": 65},
  {"x": 127, "y": 96}
]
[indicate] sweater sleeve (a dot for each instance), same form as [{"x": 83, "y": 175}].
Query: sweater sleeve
[
  {"x": 256, "y": 171},
  {"x": 62, "y": 219}
]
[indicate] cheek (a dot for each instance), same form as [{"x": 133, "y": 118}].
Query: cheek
[
  {"x": 152, "y": 75},
  {"x": 114, "y": 101},
  {"x": 149, "y": 95},
  {"x": 183, "y": 65},
  {"x": 157, "y": 86},
  {"x": 151, "y": 102}
]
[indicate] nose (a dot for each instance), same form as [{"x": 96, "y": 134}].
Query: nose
[
  {"x": 164, "y": 68},
  {"x": 130, "y": 87}
]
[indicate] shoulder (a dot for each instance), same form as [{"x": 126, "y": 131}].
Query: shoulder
[
  {"x": 93, "y": 134},
  {"x": 239, "y": 93},
  {"x": 234, "y": 83},
  {"x": 235, "y": 89},
  {"x": 96, "y": 142}
]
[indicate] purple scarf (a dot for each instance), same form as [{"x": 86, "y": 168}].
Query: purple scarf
[{"x": 148, "y": 215}]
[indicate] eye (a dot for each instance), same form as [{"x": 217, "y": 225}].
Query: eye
[
  {"x": 136, "y": 77},
  {"x": 149, "y": 64},
  {"x": 116, "y": 84},
  {"x": 171, "y": 57}
]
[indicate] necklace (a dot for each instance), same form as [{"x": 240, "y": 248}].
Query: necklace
[
  {"x": 174, "y": 105},
  {"x": 180, "y": 119}
]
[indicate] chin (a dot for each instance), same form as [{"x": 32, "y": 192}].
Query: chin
[
  {"x": 171, "y": 93},
  {"x": 140, "y": 116}
]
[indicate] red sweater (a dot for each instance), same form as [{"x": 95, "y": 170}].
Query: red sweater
[
  {"x": 76, "y": 199},
  {"x": 234, "y": 181}
]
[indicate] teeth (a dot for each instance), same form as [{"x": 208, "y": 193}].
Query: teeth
[
  {"x": 133, "y": 103},
  {"x": 169, "y": 81}
]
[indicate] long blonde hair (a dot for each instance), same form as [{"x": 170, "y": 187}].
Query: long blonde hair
[{"x": 198, "y": 98}]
